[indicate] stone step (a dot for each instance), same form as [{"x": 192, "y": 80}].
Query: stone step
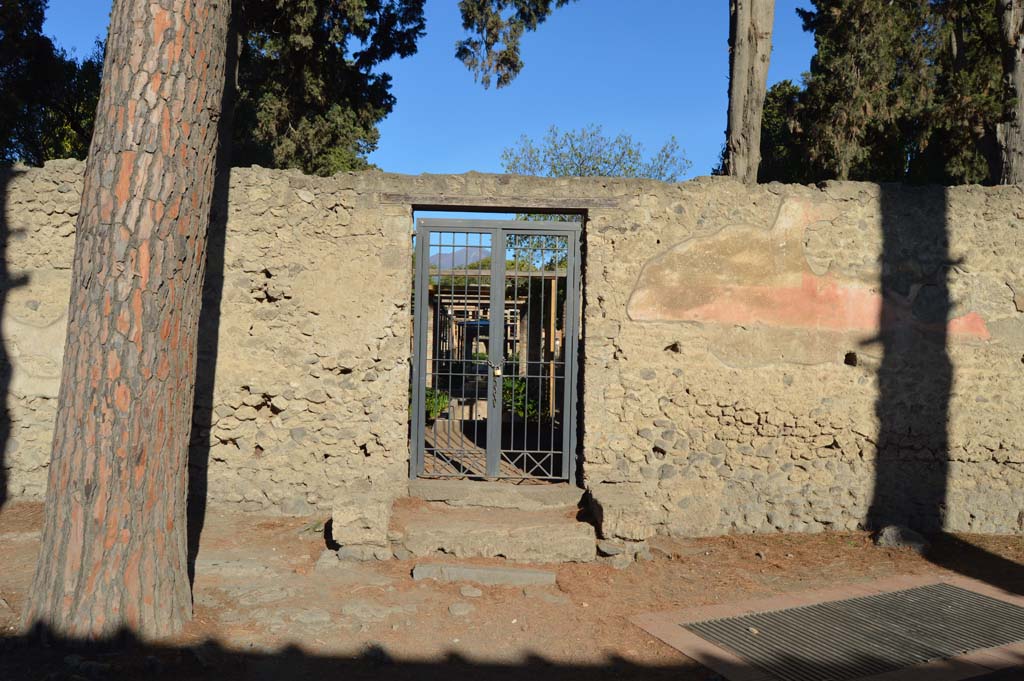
[
  {"x": 546, "y": 536},
  {"x": 483, "y": 574},
  {"x": 486, "y": 494}
]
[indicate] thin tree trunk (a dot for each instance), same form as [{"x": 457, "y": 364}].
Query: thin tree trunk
[
  {"x": 113, "y": 550},
  {"x": 987, "y": 143},
  {"x": 750, "y": 47},
  {"x": 1010, "y": 132}
]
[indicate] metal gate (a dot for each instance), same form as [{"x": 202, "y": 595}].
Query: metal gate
[{"x": 495, "y": 341}]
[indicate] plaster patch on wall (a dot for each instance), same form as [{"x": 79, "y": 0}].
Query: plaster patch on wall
[
  {"x": 752, "y": 276},
  {"x": 33, "y": 328}
]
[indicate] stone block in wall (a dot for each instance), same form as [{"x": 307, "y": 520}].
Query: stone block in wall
[
  {"x": 360, "y": 515},
  {"x": 697, "y": 511},
  {"x": 624, "y": 512}
]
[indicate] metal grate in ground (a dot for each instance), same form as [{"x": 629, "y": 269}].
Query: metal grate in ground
[{"x": 859, "y": 637}]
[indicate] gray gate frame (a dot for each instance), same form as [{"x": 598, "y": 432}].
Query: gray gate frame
[{"x": 497, "y": 229}]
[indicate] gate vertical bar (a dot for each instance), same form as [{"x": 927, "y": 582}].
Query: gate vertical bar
[
  {"x": 496, "y": 353},
  {"x": 421, "y": 304},
  {"x": 479, "y": 285},
  {"x": 570, "y": 378}
]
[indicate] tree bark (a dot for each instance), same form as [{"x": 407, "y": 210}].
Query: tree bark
[
  {"x": 113, "y": 550},
  {"x": 1010, "y": 131},
  {"x": 750, "y": 47}
]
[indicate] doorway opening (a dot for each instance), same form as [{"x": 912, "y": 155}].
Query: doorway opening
[{"x": 496, "y": 349}]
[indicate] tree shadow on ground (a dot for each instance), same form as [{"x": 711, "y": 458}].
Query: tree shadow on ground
[
  {"x": 915, "y": 381},
  {"x": 958, "y": 555},
  {"x": 124, "y": 657},
  {"x": 7, "y": 282}
]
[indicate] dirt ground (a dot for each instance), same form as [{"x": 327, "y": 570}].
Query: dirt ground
[{"x": 265, "y": 609}]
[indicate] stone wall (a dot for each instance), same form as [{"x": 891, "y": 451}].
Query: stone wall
[
  {"x": 800, "y": 359},
  {"x": 303, "y": 358},
  {"x": 755, "y": 359}
]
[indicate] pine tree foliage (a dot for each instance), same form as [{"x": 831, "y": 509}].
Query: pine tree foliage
[
  {"x": 970, "y": 89},
  {"x": 496, "y": 28},
  {"x": 783, "y": 158},
  {"x": 310, "y": 92},
  {"x": 310, "y": 95},
  {"x": 869, "y": 87},
  {"x": 47, "y": 98},
  {"x": 897, "y": 90}
]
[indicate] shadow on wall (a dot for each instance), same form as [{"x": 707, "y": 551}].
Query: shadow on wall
[
  {"x": 915, "y": 381},
  {"x": 208, "y": 337},
  {"x": 916, "y": 374},
  {"x": 127, "y": 658},
  {"x": 207, "y": 347},
  {"x": 5, "y": 363},
  {"x": 6, "y": 284}
]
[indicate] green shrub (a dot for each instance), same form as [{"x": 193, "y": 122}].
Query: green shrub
[
  {"x": 437, "y": 401},
  {"x": 514, "y": 398}
]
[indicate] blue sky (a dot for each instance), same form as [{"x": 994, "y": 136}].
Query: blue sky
[{"x": 656, "y": 70}]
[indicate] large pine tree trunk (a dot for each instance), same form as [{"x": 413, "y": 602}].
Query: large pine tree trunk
[
  {"x": 113, "y": 548},
  {"x": 750, "y": 48},
  {"x": 1010, "y": 132}
]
